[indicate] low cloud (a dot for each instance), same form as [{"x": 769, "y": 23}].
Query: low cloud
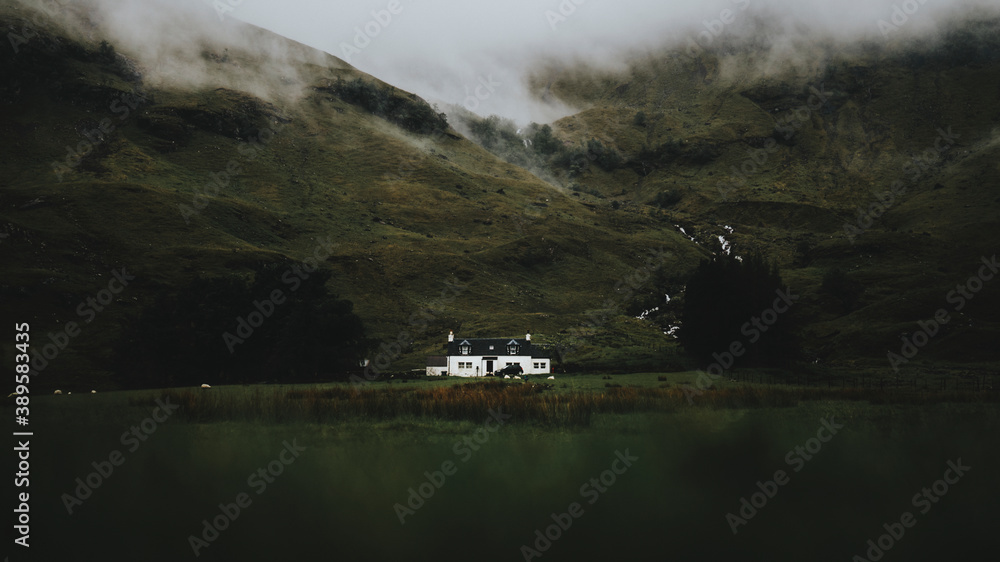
[{"x": 444, "y": 50}]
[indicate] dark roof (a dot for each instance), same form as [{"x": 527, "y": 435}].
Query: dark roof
[
  {"x": 437, "y": 361},
  {"x": 481, "y": 346}
]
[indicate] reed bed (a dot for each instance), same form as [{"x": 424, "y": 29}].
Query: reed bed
[{"x": 528, "y": 402}]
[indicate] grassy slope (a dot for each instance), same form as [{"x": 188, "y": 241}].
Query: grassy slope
[
  {"x": 884, "y": 110},
  {"x": 410, "y": 212},
  {"x": 407, "y": 212}
]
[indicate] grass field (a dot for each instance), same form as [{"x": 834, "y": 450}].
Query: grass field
[{"x": 336, "y": 499}]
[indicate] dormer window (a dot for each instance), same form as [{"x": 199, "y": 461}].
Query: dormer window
[
  {"x": 465, "y": 347},
  {"x": 512, "y": 347}
]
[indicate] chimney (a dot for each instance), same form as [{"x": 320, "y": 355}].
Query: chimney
[
  {"x": 451, "y": 336},
  {"x": 528, "y": 336}
]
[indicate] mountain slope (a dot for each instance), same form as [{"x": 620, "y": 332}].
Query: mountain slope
[
  {"x": 797, "y": 159},
  {"x": 179, "y": 182}
]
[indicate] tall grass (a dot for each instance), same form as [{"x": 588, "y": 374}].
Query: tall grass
[{"x": 529, "y": 402}]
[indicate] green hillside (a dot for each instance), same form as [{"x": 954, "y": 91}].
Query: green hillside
[{"x": 173, "y": 183}]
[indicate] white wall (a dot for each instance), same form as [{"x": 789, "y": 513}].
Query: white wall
[{"x": 525, "y": 361}]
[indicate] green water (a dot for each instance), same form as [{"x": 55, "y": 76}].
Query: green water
[{"x": 335, "y": 500}]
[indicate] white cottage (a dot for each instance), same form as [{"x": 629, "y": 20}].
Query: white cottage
[{"x": 477, "y": 357}]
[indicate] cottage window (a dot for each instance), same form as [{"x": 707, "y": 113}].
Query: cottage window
[
  {"x": 512, "y": 348},
  {"x": 464, "y": 348}
]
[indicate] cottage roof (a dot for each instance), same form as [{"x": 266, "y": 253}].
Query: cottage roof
[{"x": 494, "y": 346}]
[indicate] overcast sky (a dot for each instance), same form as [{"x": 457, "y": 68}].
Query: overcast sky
[{"x": 444, "y": 49}]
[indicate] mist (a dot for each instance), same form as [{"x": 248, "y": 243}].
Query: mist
[
  {"x": 475, "y": 55},
  {"x": 478, "y": 54}
]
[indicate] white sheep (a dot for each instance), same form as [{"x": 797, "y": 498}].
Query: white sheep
[
  {"x": 57, "y": 392},
  {"x": 93, "y": 392},
  {"x": 205, "y": 386},
  {"x": 517, "y": 377},
  {"x": 551, "y": 378},
  {"x": 506, "y": 376}
]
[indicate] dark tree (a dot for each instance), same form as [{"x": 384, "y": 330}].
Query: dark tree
[
  {"x": 725, "y": 302},
  {"x": 107, "y": 51},
  {"x": 228, "y": 330},
  {"x": 545, "y": 142}
]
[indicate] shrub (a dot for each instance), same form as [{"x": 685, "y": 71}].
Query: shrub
[
  {"x": 666, "y": 199},
  {"x": 407, "y": 111},
  {"x": 573, "y": 160},
  {"x": 606, "y": 158}
]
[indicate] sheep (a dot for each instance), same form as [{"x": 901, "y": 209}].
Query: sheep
[
  {"x": 517, "y": 377},
  {"x": 93, "y": 392},
  {"x": 551, "y": 378},
  {"x": 506, "y": 376},
  {"x": 205, "y": 386},
  {"x": 57, "y": 392}
]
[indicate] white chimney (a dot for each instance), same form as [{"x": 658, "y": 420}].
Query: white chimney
[
  {"x": 451, "y": 336},
  {"x": 528, "y": 337}
]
